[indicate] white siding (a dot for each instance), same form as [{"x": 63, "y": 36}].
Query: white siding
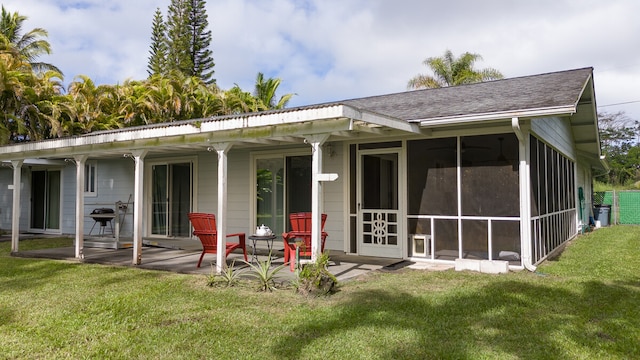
[
  {"x": 6, "y": 198},
  {"x": 115, "y": 183},
  {"x": 334, "y": 199},
  {"x": 68, "y": 199},
  {"x": 206, "y": 192},
  {"x": 555, "y": 132},
  {"x": 25, "y": 199},
  {"x": 238, "y": 194}
]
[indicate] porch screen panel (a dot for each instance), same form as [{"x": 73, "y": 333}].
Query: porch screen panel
[
  {"x": 353, "y": 217},
  {"x": 506, "y": 241},
  {"x": 535, "y": 181},
  {"x": 542, "y": 177},
  {"x": 419, "y": 226},
  {"x": 445, "y": 238},
  {"x": 553, "y": 179},
  {"x": 490, "y": 182},
  {"x": 423, "y": 227},
  {"x": 431, "y": 172},
  {"x": 475, "y": 236}
]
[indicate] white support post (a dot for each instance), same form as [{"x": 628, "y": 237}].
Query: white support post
[
  {"x": 317, "y": 207},
  {"x": 525, "y": 195},
  {"x": 15, "y": 216},
  {"x": 138, "y": 202},
  {"x": 221, "y": 217},
  {"x": 80, "y": 162},
  {"x": 459, "y": 195}
]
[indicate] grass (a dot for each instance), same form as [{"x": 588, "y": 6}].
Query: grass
[{"x": 585, "y": 304}]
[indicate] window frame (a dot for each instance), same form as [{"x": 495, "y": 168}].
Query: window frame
[{"x": 91, "y": 179}]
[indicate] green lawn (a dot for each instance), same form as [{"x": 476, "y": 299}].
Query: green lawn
[{"x": 583, "y": 305}]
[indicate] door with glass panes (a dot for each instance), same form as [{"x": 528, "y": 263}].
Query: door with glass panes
[
  {"x": 172, "y": 198},
  {"x": 283, "y": 186},
  {"x": 45, "y": 200},
  {"x": 379, "y": 228}
]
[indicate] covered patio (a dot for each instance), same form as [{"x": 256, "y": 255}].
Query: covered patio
[{"x": 181, "y": 257}]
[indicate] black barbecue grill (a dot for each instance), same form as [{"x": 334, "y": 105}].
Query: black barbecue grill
[{"x": 102, "y": 216}]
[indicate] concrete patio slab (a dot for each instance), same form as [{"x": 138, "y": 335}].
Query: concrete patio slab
[{"x": 184, "y": 261}]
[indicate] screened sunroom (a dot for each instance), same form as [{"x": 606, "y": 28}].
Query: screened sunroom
[{"x": 463, "y": 198}]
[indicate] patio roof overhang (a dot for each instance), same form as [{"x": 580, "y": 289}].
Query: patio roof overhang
[{"x": 268, "y": 128}]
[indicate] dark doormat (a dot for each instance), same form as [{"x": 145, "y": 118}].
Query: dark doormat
[{"x": 397, "y": 265}]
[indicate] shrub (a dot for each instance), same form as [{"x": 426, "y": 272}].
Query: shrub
[{"x": 315, "y": 278}]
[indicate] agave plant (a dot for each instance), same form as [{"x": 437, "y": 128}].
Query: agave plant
[
  {"x": 264, "y": 273},
  {"x": 229, "y": 276}
]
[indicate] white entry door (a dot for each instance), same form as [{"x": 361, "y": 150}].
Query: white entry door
[{"x": 379, "y": 228}]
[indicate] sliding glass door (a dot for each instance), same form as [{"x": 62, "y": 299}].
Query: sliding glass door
[
  {"x": 45, "y": 200},
  {"x": 172, "y": 198},
  {"x": 283, "y": 186}
]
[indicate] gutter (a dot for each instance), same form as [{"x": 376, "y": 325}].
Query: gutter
[
  {"x": 530, "y": 113},
  {"x": 525, "y": 196}
]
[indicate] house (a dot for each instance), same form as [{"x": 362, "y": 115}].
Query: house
[{"x": 488, "y": 174}]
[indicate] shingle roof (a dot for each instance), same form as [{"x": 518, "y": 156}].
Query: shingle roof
[{"x": 515, "y": 94}]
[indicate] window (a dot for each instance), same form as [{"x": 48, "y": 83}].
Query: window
[
  {"x": 90, "y": 179},
  {"x": 283, "y": 186}
]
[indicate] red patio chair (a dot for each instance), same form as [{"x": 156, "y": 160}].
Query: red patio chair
[
  {"x": 301, "y": 233},
  {"x": 204, "y": 227}
]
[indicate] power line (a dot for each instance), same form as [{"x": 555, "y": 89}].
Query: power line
[{"x": 622, "y": 103}]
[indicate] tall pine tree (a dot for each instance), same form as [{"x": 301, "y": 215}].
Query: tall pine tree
[
  {"x": 179, "y": 38},
  {"x": 200, "y": 40},
  {"x": 186, "y": 41},
  {"x": 158, "y": 51}
]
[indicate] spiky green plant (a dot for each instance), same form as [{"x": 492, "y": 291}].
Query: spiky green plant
[
  {"x": 264, "y": 273},
  {"x": 229, "y": 276}
]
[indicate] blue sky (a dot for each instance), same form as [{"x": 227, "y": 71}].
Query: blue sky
[{"x": 325, "y": 50}]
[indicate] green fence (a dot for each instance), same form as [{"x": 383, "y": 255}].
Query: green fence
[{"x": 625, "y": 205}]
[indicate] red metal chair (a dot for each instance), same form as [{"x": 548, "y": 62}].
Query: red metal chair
[
  {"x": 300, "y": 233},
  {"x": 204, "y": 227}
]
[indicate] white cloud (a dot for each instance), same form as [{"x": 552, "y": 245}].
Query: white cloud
[{"x": 332, "y": 49}]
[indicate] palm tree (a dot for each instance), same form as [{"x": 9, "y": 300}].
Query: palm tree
[
  {"x": 29, "y": 46},
  {"x": 42, "y": 110},
  {"x": 265, "y": 92},
  {"x": 15, "y": 79},
  {"x": 449, "y": 71},
  {"x": 94, "y": 106},
  {"x": 236, "y": 101}
]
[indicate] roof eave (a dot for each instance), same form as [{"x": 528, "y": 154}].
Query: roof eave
[{"x": 466, "y": 119}]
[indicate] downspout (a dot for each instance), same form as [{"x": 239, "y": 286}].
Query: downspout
[{"x": 525, "y": 196}]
